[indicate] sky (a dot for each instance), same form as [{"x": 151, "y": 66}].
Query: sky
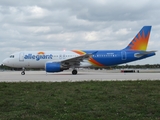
[{"x": 76, "y": 24}]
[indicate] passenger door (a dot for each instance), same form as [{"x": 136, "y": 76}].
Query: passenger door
[
  {"x": 21, "y": 56},
  {"x": 124, "y": 56}
]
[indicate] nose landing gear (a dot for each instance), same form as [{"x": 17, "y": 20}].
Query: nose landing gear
[{"x": 23, "y": 71}]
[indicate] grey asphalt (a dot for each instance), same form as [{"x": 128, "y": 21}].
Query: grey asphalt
[{"x": 41, "y": 76}]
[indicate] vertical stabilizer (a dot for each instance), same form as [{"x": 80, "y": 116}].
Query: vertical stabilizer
[{"x": 140, "y": 41}]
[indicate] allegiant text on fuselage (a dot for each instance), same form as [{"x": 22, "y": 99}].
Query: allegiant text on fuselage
[{"x": 38, "y": 57}]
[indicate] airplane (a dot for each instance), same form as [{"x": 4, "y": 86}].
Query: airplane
[{"x": 57, "y": 61}]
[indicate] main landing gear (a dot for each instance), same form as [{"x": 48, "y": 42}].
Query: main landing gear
[
  {"x": 74, "y": 72},
  {"x": 23, "y": 71}
]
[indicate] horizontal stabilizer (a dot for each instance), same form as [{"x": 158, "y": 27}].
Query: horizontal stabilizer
[{"x": 138, "y": 55}]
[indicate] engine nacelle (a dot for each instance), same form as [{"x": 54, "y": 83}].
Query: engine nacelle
[{"x": 53, "y": 67}]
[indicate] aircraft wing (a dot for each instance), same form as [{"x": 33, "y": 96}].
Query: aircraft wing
[
  {"x": 75, "y": 61},
  {"x": 144, "y": 53}
]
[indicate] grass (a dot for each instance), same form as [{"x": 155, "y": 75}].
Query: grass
[{"x": 105, "y": 100}]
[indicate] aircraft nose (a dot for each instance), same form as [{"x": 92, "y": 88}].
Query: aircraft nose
[{"x": 5, "y": 62}]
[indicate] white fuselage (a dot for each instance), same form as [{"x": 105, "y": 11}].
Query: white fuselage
[{"x": 36, "y": 59}]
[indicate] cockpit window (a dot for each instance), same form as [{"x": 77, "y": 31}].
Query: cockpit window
[{"x": 12, "y": 56}]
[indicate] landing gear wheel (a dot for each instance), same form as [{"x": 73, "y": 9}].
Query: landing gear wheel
[
  {"x": 74, "y": 72},
  {"x": 22, "y": 73}
]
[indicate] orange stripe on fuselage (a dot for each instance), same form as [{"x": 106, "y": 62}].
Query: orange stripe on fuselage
[
  {"x": 94, "y": 62},
  {"x": 91, "y": 60},
  {"x": 79, "y": 52}
]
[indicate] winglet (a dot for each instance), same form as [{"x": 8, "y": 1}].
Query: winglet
[{"x": 140, "y": 41}]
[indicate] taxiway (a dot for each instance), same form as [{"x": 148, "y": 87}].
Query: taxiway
[{"x": 41, "y": 76}]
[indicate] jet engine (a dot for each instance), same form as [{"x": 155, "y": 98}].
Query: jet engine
[{"x": 54, "y": 67}]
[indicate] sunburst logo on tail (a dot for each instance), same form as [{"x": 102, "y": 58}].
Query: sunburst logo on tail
[{"x": 140, "y": 41}]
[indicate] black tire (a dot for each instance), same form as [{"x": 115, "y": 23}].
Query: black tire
[
  {"x": 22, "y": 73},
  {"x": 74, "y": 72}
]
